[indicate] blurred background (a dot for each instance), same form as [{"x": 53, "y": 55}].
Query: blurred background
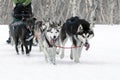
[{"x": 100, "y": 11}]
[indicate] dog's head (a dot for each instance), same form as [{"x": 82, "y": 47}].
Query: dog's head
[
  {"x": 85, "y": 33},
  {"x": 52, "y": 32},
  {"x": 38, "y": 26},
  {"x": 30, "y": 23}
]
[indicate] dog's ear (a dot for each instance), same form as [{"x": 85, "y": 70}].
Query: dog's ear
[
  {"x": 46, "y": 20},
  {"x": 80, "y": 29},
  {"x": 44, "y": 28},
  {"x": 59, "y": 28},
  {"x": 59, "y": 24},
  {"x": 43, "y": 19},
  {"x": 39, "y": 23}
]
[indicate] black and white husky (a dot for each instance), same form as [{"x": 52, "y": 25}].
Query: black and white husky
[
  {"x": 49, "y": 37},
  {"x": 79, "y": 32}
]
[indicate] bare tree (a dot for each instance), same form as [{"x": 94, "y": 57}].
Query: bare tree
[{"x": 103, "y": 11}]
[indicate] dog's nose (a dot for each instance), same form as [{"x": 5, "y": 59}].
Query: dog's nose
[{"x": 54, "y": 37}]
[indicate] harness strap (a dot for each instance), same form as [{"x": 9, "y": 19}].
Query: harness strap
[
  {"x": 48, "y": 42},
  {"x": 29, "y": 38},
  {"x": 68, "y": 47}
]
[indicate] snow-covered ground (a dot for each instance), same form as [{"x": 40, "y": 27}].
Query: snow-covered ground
[{"x": 100, "y": 62}]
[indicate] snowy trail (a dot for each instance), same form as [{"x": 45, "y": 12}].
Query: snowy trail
[{"x": 100, "y": 62}]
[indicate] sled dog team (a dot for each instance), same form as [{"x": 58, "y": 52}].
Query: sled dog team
[{"x": 52, "y": 37}]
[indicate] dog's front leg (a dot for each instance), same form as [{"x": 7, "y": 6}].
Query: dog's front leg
[
  {"x": 76, "y": 51},
  {"x": 16, "y": 45},
  {"x": 52, "y": 54},
  {"x": 75, "y": 55},
  {"x": 40, "y": 45},
  {"x": 46, "y": 54},
  {"x": 62, "y": 45},
  {"x": 27, "y": 50},
  {"x": 57, "y": 47},
  {"x": 80, "y": 49}
]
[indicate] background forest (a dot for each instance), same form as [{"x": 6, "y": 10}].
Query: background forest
[{"x": 103, "y": 11}]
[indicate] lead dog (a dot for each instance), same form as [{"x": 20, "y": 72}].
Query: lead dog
[
  {"x": 79, "y": 32},
  {"x": 49, "y": 37}
]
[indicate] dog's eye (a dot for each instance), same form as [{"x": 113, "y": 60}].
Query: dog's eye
[
  {"x": 83, "y": 35},
  {"x": 58, "y": 31}
]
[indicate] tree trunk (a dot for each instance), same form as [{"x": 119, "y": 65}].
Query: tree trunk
[{"x": 103, "y": 11}]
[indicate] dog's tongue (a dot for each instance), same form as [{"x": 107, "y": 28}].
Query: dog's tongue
[
  {"x": 87, "y": 46},
  {"x": 51, "y": 41}
]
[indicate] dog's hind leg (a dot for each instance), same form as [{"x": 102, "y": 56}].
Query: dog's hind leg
[
  {"x": 62, "y": 44},
  {"x": 71, "y": 54},
  {"x": 40, "y": 45},
  {"x": 62, "y": 50},
  {"x": 76, "y": 50},
  {"x": 22, "y": 49},
  {"x": 27, "y": 50},
  {"x": 30, "y": 46},
  {"x": 16, "y": 46}
]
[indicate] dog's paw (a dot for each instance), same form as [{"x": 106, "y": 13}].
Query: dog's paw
[
  {"x": 28, "y": 54},
  {"x": 17, "y": 53},
  {"x": 76, "y": 61},
  {"x": 62, "y": 56},
  {"x": 57, "y": 53},
  {"x": 53, "y": 61},
  {"x": 41, "y": 48},
  {"x": 71, "y": 56},
  {"x": 22, "y": 52}
]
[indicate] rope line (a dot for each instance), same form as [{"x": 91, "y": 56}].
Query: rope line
[{"x": 68, "y": 47}]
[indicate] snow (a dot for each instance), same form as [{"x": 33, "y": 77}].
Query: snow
[{"x": 100, "y": 62}]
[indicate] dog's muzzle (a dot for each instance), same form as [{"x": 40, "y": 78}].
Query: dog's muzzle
[
  {"x": 53, "y": 40},
  {"x": 87, "y": 45},
  {"x": 86, "y": 34}
]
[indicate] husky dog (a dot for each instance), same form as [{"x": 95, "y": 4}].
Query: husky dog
[
  {"x": 39, "y": 30},
  {"x": 19, "y": 33},
  {"x": 49, "y": 35},
  {"x": 78, "y": 31}
]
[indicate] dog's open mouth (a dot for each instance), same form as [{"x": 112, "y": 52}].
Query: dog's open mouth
[
  {"x": 87, "y": 45},
  {"x": 52, "y": 41}
]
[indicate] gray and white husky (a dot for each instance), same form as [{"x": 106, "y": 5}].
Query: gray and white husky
[{"x": 49, "y": 37}]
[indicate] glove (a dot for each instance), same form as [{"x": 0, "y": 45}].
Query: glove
[{"x": 23, "y": 4}]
